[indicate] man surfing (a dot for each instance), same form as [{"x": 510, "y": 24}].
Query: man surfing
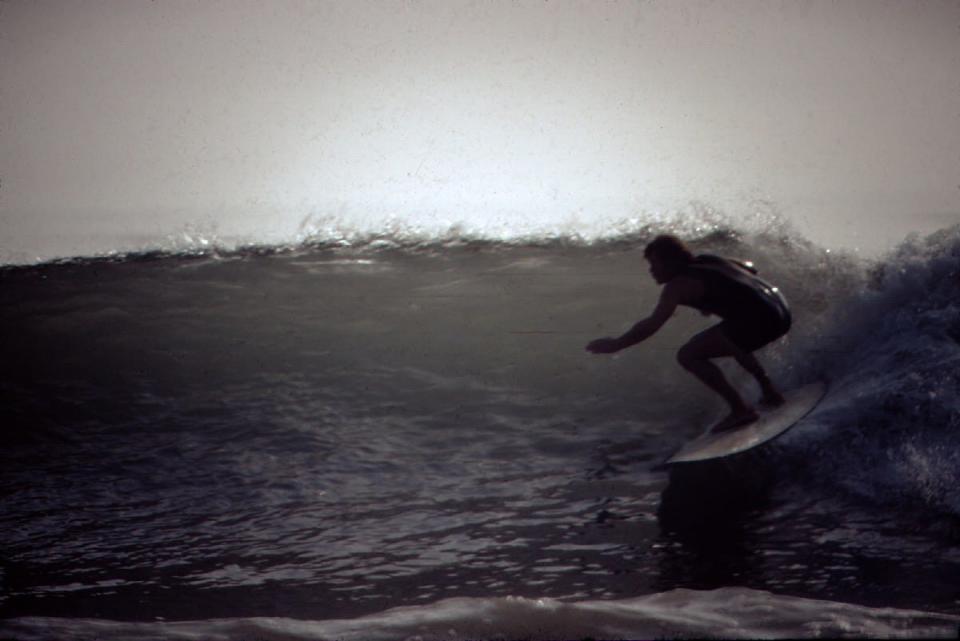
[{"x": 753, "y": 312}]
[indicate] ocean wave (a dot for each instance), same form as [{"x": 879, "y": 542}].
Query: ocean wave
[
  {"x": 890, "y": 347},
  {"x": 735, "y": 613},
  {"x": 697, "y": 222},
  {"x": 247, "y": 352}
]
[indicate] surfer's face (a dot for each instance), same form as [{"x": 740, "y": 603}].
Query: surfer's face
[{"x": 661, "y": 270}]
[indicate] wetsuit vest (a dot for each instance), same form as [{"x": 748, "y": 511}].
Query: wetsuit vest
[{"x": 734, "y": 292}]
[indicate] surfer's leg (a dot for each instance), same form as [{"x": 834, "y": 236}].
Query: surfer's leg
[
  {"x": 747, "y": 337},
  {"x": 694, "y": 357},
  {"x": 771, "y": 395}
]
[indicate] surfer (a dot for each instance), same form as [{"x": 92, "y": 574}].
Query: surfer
[{"x": 753, "y": 312}]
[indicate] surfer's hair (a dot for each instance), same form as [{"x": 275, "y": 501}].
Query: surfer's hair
[{"x": 670, "y": 249}]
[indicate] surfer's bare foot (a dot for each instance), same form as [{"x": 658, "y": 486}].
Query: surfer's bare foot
[
  {"x": 772, "y": 398},
  {"x": 734, "y": 420}
]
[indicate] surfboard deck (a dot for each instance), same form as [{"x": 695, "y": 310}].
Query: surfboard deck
[{"x": 771, "y": 424}]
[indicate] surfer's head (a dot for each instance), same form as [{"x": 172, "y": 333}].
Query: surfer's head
[{"x": 668, "y": 256}]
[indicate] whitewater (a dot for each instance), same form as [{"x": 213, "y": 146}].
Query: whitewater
[{"x": 400, "y": 435}]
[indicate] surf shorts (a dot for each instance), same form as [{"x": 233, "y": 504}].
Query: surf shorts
[{"x": 752, "y": 333}]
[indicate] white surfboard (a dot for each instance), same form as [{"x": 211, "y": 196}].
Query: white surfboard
[{"x": 772, "y": 423}]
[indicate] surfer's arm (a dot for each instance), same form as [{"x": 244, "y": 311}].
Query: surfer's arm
[{"x": 644, "y": 329}]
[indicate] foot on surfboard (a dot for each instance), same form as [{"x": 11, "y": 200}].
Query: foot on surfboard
[
  {"x": 770, "y": 401},
  {"x": 770, "y": 425},
  {"x": 735, "y": 420}
]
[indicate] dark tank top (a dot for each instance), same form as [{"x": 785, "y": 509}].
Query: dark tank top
[{"x": 733, "y": 291}]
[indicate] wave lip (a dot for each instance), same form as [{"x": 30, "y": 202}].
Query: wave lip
[
  {"x": 725, "y": 612},
  {"x": 331, "y": 232}
]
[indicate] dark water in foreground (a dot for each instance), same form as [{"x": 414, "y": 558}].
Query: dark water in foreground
[{"x": 323, "y": 434}]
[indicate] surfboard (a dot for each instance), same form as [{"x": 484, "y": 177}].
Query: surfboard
[{"x": 771, "y": 424}]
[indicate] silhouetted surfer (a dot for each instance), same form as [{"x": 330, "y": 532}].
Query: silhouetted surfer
[{"x": 754, "y": 313}]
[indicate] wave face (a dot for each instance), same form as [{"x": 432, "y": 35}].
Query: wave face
[
  {"x": 891, "y": 348},
  {"x": 328, "y": 430}
]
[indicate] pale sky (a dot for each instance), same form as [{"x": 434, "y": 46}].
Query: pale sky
[{"x": 129, "y": 122}]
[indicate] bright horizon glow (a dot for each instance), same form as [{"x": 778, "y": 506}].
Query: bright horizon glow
[{"x": 129, "y": 119}]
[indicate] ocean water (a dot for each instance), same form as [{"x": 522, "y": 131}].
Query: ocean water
[{"x": 389, "y": 439}]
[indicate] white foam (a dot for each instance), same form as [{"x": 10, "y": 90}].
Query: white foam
[{"x": 726, "y": 613}]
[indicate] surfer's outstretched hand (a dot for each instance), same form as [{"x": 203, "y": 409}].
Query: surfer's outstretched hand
[{"x": 603, "y": 346}]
